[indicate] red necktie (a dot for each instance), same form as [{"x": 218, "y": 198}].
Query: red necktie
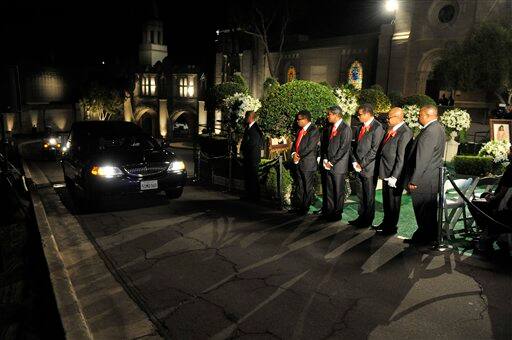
[
  {"x": 389, "y": 135},
  {"x": 361, "y": 133},
  {"x": 299, "y": 138},
  {"x": 333, "y": 132}
]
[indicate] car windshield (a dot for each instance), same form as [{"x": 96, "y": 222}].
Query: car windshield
[
  {"x": 140, "y": 142},
  {"x": 93, "y": 142}
]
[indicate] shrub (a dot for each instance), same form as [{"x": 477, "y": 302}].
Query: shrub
[
  {"x": 239, "y": 79},
  {"x": 269, "y": 85},
  {"x": 219, "y": 92},
  {"x": 271, "y": 185},
  {"x": 377, "y": 98},
  {"x": 395, "y": 98},
  {"x": 418, "y": 100},
  {"x": 280, "y": 107},
  {"x": 473, "y": 165},
  {"x": 326, "y": 84}
]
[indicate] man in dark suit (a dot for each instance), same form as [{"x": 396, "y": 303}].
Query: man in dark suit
[
  {"x": 394, "y": 149},
  {"x": 426, "y": 161},
  {"x": 304, "y": 157},
  {"x": 335, "y": 149},
  {"x": 252, "y": 142},
  {"x": 364, "y": 153}
]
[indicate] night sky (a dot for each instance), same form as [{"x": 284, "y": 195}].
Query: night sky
[{"x": 87, "y": 32}]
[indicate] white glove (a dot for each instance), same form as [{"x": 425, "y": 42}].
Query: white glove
[
  {"x": 356, "y": 167},
  {"x": 324, "y": 162},
  {"x": 391, "y": 181}
]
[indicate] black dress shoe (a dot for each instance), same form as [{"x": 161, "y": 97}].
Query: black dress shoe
[
  {"x": 333, "y": 218},
  {"x": 387, "y": 231},
  {"x": 355, "y": 222}
]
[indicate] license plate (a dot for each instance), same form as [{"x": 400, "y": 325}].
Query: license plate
[{"x": 148, "y": 185}]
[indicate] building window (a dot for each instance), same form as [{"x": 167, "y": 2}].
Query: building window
[
  {"x": 152, "y": 33},
  {"x": 158, "y": 38},
  {"x": 186, "y": 87},
  {"x": 446, "y": 14},
  {"x": 148, "y": 86},
  {"x": 355, "y": 75}
]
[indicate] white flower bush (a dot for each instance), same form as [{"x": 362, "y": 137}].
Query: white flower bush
[
  {"x": 456, "y": 120},
  {"x": 347, "y": 101},
  {"x": 239, "y": 103},
  {"x": 411, "y": 114},
  {"x": 497, "y": 150}
]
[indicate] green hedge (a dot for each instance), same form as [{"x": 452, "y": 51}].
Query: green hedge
[
  {"x": 377, "y": 98},
  {"x": 219, "y": 92},
  {"x": 271, "y": 185},
  {"x": 418, "y": 100},
  {"x": 473, "y": 165},
  {"x": 282, "y": 104}
]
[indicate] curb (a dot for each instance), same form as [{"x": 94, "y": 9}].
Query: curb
[
  {"x": 70, "y": 310},
  {"x": 92, "y": 301}
]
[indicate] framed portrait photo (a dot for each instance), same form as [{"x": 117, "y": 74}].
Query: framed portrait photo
[{"x": 501, "y": 129}]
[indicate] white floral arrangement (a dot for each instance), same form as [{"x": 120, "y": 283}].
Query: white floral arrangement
[
  {"x": 347, "y": 101},
  {"x": 497, "y": 150},
  {"x": 456, "y": 120},
  {"x": 239, "y": 103},
  {"x": 411, "y": 115}
]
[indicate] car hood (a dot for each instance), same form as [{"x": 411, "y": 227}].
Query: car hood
[{"x": 129, "y": 157}]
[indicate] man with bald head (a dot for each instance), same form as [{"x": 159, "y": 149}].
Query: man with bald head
[
  {"x": 394, "y": 149},
  {"x": 426, "y": 161}
]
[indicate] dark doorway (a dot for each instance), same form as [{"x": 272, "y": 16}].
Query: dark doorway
[
  {"x": 432, "y": 88},
  {"x": 146, "y": 122}
]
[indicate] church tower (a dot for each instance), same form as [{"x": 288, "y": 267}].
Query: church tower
[{"x": 152, "y": 47}]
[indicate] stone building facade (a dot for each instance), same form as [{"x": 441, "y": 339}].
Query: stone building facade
[{"x": 399, "y": 58}]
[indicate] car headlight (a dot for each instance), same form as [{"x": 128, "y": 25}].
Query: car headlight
[
  {"x": 52, "y": 141},
  {"x": 106, "y": 171},
  {"x": 176, "y": 166}
]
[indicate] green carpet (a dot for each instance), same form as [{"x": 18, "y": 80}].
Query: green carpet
[
  {"x": 406, "y": 224},
  {"x": 407, "y": 221}
]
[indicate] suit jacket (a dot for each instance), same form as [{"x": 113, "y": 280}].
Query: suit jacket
[
  {"x": 337, "y": 149},
  {"x": 426, "y": 158},
  {"x": 252, "y": 142},
  {"x": 308, "y": 149},
  {"x": 365, "y": 151},
  {"x": 393, "y": 154}
]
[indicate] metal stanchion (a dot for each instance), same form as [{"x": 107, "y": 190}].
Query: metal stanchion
[
  {"x": 441, "y": 245},
  {"x": 280, "y": 181}
]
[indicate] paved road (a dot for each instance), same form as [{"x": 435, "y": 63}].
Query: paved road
[{"x": 211, "y": 266}]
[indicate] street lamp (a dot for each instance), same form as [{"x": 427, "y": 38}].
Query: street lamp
[{"x": 391, "y": 5}]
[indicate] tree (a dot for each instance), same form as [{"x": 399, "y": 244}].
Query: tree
[
  {"x": 101, "y": 103},
  {"x": 268, "y": 25},
  {"x": 483, "y": 61},
  {"x": 283, "y": 103}
]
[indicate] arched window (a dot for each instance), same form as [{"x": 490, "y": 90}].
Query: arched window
[
  {"x": 291, "y": 74},
  {"x": 186, "y": 87},
  {"x": 355, "y": 75},
  {"x": 148, "y": 85}
]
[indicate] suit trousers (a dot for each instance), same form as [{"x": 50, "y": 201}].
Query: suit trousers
[
  {"x": 305, "y": 189},
  {"x": 334, "y": 194},
  {"x": 425, "y": 209},
  {"x": 365, "y": 190},
  {"x": 251, "y": 181},
  {"x": 391, "y": 200}
]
